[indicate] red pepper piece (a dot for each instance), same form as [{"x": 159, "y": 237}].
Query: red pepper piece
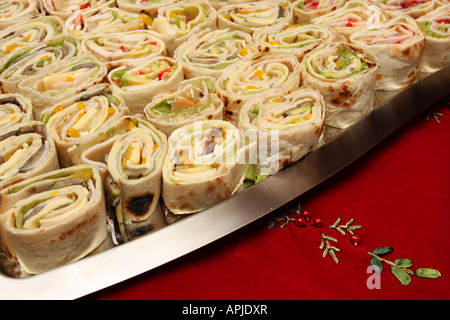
[
  {"x": 161, "y": 74},
  {"x": 78, "y": 21}
]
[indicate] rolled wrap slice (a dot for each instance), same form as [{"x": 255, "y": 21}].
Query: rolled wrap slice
[
  {"x": 249, "y": 17},
  {"x": 135, "y": 165},
  {"x": 286, "y": 128},
  {"x": 120, "y": 48},
  {"x": 148, "y": 7},
  {"x": 294, "y": 39},
  {"x": 14, "y": 108},
  {"x": 345, "y": 74},
  {"x": 77, "y": 123},
  {"x": 65, "y": 8},
  {"x": 217, "y": 4},
  {"x": 264, "y": 75},
  {"x": 307, "y": 10},
  {"x": 129, "y": 161},
  {"x": 353, "y": 16},
  {"x": 177, "y": 22},
  {"x": 102, "y": 20},
  {"x": 204, "y": 166},
  {"x": 440, "y": 3},
  {"x": 26, "y": 150},
  {"x": 413, "y": 8},
  {"x": 62, "y": 82},
  {"x": 194, "y": 100},
  {"x": 436, "y": 26},
  {"x": 12, "y": 11},
  {"x": 53, "y": 219},
  {"x": 36, "y": 59},
  {"x": 399, "y": 44},
  {"x": 29, "y": 32},
  {"x": 138, "y": 84},
  {"x": 213, "y": 52}
]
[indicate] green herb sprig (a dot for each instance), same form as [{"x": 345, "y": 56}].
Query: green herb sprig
[{"x": 400, "y": 268}]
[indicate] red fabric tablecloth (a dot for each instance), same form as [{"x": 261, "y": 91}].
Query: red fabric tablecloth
[{"x": 398, "y": 192}]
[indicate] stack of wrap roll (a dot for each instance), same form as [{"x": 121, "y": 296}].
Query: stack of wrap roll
[
  {"x": 134, "y": 114},
  {"x": 130, "y": 164}
]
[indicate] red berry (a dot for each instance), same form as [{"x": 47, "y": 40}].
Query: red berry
[
  {"x": 300, "y": 222},
  {"x": 317, "y": 222},
  {"x": 355, "y": 240},
  {"x": 307, "y": 215}
]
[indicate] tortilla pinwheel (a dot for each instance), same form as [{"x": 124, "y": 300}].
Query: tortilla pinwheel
[
  {"x": 65, "y": 8},
  {"x": 264, "y": 75},
  {"x": 26, "y": 150},
  {"x": 62, "y": 81},
  {"x": 53, "y": 219},
  {"x": 130, "y": 163},
  {"x": 398, "y": 45},
  {"x": 345, "y": 74},
  {"x": 436, "y": 26},
  {"x": 13, "y": 11},
  {"x": 213, "y": 52},
  {"x": 294, "y": 39},
  {"x": 29, "y": 32},
  {"x": 194, "y": 100},
  {"x": 14, "y": 108},
  {"x": 205, "y": 164},
  {"x": 251, "y": 16},
  {"x": 77, "y": 123},
  {"x": 176, "y": 23},
  {"x": 306, "y": 10},
  {"x": 139, "y": 83},
  {"x": 102, "y": 20},
  {"x": 286, "y": 128},
  {"x": 354, "y": 15},
  {"x": 36, "y": 59},
  {"x": 116, "y": 49}
]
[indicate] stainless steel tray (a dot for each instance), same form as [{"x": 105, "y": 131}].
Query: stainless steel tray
[{"x": 341, "y": 148}]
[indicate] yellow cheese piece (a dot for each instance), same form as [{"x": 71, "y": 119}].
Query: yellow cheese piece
[{"x": 49, "y": 81}]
